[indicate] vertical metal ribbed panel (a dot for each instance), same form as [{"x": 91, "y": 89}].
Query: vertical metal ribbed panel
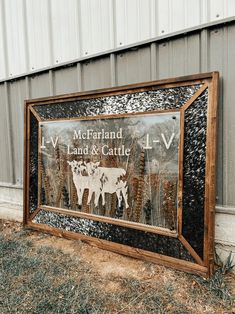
[
  {"x": 221, "y": 57},
  {"x": 97, "y": 28},
  {"x": 17, "y": 95},
  {"x": 14, "y": 32},
  {"x": 133, "y": 66},
  {"x": 65, "y": 81},
  {"x": 96, "y": 74},
  {"x": 40, "y": 86},
  {"x": 3, "y": 45},
  {"x": 39, "y": 37},
  {"x": 133, "y": 21},
  {"x": 5, "y": 151},
  {"x": 39, "y": 34},
  {"x": 201, "y": 51},
  {"x": 64, "y": 23}
]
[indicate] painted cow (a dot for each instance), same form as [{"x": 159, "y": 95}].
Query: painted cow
[
  {"x": 107, "y": 180},
  {"x": 99, "y": 180},
  {"x": 80, "y": 180}
]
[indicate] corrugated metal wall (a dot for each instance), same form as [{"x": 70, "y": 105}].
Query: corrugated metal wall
[
  {"x": 38, "y": 34},
  {"x": 200, "y": 51}
]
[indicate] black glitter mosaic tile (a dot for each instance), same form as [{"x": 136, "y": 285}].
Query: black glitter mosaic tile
[
  {"x": 194, "y": 172},
  {"x": 138, "y": 239},
  {"x": 160, "y": 99},
  {"x": 33, "y": 166}
]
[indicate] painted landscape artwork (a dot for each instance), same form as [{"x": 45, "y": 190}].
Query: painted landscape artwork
[{"x": 123, "y": 167}]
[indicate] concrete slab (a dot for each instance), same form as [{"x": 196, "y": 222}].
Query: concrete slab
[{"x": 11, "y": 211}]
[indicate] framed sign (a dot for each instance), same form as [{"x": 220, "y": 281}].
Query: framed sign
[{"x": 129, "y": 169}]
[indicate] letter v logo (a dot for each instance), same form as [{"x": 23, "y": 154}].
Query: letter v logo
[
  {"x": 54, "y": 143},
  {"x": 170, "y": 140}
]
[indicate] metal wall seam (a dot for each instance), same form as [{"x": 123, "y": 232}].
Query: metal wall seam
[
  {"x": 113, "y": 24},
  {"x": 51, "y": 83},
  {"x": 186, "y": 48},
  {"x": 4, "y": 40},
  {"x": 80, "y": 37},
  {"x": 15, "y": 34},
  {"x": 17, "y": 94},
  {"x": 25, "y": 21},
  {"x": 79, "y": 77},
  {"x": 216, "y": 61},
  {"x": 202, "y": 10},
  {"x": 27, "y": 88},
  {"x": 153, "y": 18},
  {"x": 38, "y": 34},
  {"x": 113, "y": 70},
  {"x": 9, "y": 135},
  {"x": 221, "y": 155},
  {"x": 204, "y": 51},
  {"x": 228, "y": 114},
  {"x": 153, "y": 61},
  {"x": 65, "y": 30},
  {"x": 50, "y": 33}
]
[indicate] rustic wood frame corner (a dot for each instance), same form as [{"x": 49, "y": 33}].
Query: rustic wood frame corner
[{"x": 199, "y": 264}]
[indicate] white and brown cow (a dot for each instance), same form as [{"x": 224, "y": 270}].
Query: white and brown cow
[
  {"x": 107, "y": 180},
  {"x": 99, "y": 180},
  {"x": 80, "y": 180}
]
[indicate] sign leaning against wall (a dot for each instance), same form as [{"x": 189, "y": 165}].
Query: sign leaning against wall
[{"x": 131, "y": 169}]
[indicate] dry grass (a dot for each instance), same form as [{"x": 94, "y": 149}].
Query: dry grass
[{"x": 43, "y": 274}]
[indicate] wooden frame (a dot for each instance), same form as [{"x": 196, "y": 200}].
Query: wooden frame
[{"x": 194, "y": 253}]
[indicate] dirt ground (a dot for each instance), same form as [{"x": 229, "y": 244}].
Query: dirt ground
[{"x": 40, "y": 273}]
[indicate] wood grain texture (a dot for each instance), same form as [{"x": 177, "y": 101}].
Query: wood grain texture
[
  {"x": 125, "y": 250},
  {"x": 191, "y": 250},
  {"x": 165, "y": 83},
  {"x": 35, "y": 113},
  {"x": 181, "y": 169},
  {"x": 25, "y": 169},
  {"x": 209, "y": 212},
  {"x": 118, "y": 222},
  {"x": 194, "y": 97},
  {"x": 40, "y": 165},
  {"x": 26, "y": 163}
]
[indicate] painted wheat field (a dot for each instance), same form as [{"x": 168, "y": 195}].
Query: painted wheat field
[{"x": 120, "y": 167}]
